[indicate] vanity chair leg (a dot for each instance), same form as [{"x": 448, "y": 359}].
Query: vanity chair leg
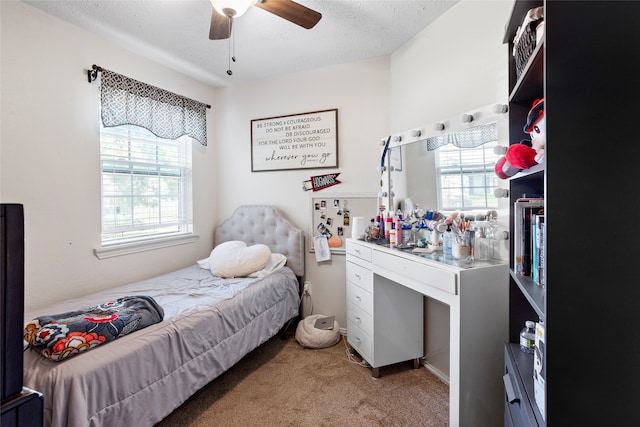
[{"x": 375, "y": 372}]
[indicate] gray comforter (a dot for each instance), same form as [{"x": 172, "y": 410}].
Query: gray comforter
[{"x": 209, "y": 325}]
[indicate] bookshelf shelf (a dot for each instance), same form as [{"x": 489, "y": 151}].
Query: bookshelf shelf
[
  {"x": 534, "y": 293},
  {"x": 528, "y": 172}
]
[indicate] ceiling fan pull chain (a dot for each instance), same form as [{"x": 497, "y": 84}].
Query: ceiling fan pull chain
[
  {"x": 229, "y": 72},
  {"x": 233, "y": 51}
]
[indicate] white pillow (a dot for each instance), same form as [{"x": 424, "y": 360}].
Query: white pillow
[
  {"x": 236, "y": 259},
  {"x": 276, "y": 262}
]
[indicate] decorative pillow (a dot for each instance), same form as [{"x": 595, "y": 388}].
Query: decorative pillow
[
  {"x": 276, "y": 262},
  {"x": 236, "y": 259}
]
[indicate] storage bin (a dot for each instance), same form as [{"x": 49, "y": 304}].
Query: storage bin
[{"x": 525, "y": 46}]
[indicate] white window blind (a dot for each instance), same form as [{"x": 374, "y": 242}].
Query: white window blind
[
  {"x": 466, "y": 179},
  {"x": 146, "y": 185}
]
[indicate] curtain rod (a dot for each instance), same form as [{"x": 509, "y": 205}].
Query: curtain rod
[{"x": 92, "y": 74}]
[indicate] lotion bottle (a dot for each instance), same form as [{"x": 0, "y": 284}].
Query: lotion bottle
[{"x": 447, "y": 241}]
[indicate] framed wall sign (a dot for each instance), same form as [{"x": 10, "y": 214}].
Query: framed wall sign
[{"x": 297, "y": 141}]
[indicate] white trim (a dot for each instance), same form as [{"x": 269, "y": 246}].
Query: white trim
[
  {"x": 145, "y": 245},
  {"x": 435, "y": 371}
]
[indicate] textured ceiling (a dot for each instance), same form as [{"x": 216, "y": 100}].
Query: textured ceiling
[{"x": 176, "y": 33}]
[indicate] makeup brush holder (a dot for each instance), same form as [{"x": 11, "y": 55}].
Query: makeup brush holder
[{"x": 461, "y": 246}]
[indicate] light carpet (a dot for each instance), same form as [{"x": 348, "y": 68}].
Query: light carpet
[{"x": 283, "y": 384}]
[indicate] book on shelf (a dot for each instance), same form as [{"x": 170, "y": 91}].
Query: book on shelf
[
  {"x": 524, "y": 210},
  {"x": 537, "y": 258}
]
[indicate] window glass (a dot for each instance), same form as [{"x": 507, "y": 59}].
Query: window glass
[
  {"x": 465, "y": 177},
  {"x": 146, "y": 184}
]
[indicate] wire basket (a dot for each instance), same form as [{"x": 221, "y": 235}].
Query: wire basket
[{"x": 525, "y": 46}]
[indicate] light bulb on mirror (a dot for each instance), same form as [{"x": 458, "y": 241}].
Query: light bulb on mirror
[
  {"x": 499, "y": 150},
  {"x": 501, "y": 192},
  {"x": 500, "y": 108}
]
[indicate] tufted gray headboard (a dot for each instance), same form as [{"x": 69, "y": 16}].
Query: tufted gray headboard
[{"x": 265, "y": 224}]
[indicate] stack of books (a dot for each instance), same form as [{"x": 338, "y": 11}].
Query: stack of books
[{"x": 529, "y": 232}]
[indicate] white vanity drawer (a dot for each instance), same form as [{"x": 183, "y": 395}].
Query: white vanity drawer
[
  {"x": 360, "y": 276},
  {"x": 360, "y": 298},
  {"x": 360, "y": 341},
  {"x": 359, "y": 251},
  {"x": 420, "y": 272},
  {"x": 360, "y": 318}
]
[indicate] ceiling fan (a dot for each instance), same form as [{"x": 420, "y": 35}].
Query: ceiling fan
[{"x": 224, "y": 11}]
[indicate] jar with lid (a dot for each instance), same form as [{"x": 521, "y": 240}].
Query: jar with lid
[
  {"x": 406, "y": 234},
  {"x": 528, "y": 337}
]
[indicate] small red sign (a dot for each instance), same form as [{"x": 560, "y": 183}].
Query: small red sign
[{"x": 320, "y": 182}]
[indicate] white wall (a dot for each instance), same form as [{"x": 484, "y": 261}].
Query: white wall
[
  {"x": 456, "y": 64},
  {"x": 360, "y": 92},
  {"x": 50, "y": 155}
]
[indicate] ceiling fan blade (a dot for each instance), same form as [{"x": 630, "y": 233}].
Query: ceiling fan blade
[
  {"x": 291, "y": 11},
  {"x": 220, "y": 26}
]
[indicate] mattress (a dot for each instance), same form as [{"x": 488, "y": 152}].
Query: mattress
[{"x": 208, "y": 326}]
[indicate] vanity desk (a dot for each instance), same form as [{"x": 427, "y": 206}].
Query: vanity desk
[{"x": 385, "y": 320}]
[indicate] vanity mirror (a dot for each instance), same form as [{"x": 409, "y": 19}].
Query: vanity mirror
[{"x": 449, "y": 165}]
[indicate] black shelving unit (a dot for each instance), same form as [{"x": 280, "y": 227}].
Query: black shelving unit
[
  {"x": 587, "y": 70},
  {"x": 19, "y": 406},
  {"x": 527, "y": 300}
]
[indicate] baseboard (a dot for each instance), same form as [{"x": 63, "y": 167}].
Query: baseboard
[{"x": 435, "y": 371}]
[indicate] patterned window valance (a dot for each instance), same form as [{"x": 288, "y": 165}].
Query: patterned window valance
[
  {"x": 467, "y": 138},
  {"x": 126, "y": 101}
]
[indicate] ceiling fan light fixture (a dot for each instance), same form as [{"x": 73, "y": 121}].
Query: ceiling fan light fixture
[{"x": 232, "y": 8}]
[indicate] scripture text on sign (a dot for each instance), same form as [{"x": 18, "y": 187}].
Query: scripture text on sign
[{"x": 299, "y": 141}]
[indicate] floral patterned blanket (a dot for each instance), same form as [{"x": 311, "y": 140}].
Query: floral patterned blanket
[{"x": 60, "y": 336}]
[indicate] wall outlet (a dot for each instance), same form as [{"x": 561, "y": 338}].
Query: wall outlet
[{"x": 307, "y": 287}]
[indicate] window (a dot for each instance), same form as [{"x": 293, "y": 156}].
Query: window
[
  {"x": 465, "y": 176},
  {"x": 146, "y": 185}
]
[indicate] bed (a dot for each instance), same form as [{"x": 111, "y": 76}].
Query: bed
[{"x": 209, "y": 324}]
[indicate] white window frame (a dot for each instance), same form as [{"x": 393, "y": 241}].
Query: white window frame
[
  {"x": 149, "y": 235},
  {"x": 486, "y": 169}
]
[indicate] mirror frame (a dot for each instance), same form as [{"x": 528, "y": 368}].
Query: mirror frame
[{"x": 480, "y": 116}]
